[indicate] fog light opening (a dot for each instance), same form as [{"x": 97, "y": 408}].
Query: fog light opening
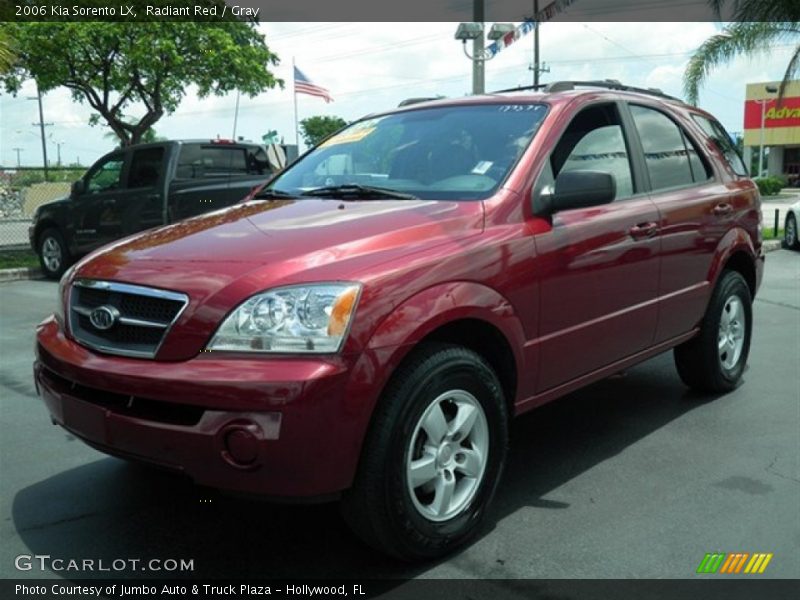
[{"x": 240, "y": 446}]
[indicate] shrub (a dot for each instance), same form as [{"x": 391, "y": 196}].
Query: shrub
[{"x": 770, "y": 186}]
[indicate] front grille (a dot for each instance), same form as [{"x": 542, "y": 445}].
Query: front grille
[{"x": 119, "y": 318}]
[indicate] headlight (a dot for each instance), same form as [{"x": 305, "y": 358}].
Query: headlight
[{"x": 297, "y": 319}]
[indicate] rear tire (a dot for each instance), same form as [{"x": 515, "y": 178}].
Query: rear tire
[
  {"x": 790, "y": 235},
  {"x": 54, "y": 256},
  {"x": 433, "y": 455},
  {"x": 714, "y": 360}
]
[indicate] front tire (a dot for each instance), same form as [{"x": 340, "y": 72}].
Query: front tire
[
  {"x": 714, "y": 360},
  {"x": 54, "y": 256},
  {"x": 790, "y": 234},
  {"x": 433, "y": 456}
]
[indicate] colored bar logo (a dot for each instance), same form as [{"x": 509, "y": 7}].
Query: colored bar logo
[{"x": 734, "y": 562}]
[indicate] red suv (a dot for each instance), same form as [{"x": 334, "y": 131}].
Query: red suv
[{"x": 365, "y": 326}]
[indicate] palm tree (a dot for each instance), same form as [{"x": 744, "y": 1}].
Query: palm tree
[
  {"x": 760, "y": 24},
  {"x": 6, "y": 53},
  {"x": 148, "y": 137}
]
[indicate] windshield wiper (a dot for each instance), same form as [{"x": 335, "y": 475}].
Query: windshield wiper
[
  {"x": 273, "y": 194},
  {"x": 358, "y": 191}
]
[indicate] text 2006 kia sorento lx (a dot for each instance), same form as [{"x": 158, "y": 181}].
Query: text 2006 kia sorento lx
[{"x": 366, "y": 324}]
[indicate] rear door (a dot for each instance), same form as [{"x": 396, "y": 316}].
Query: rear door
[
  {"x": 140, "y": 206},
  {"x": 695, "y": 210},
  {"x": 203, "y": 178},
  {"x": 598, "y": 266}
]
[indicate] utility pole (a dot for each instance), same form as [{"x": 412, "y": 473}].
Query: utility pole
[
  {"x": 535, "y": 42},
  {"x": 537, "y": 66},
  {"x": 41, "y": 124},
  {"x": 478, "y": 62},
  {"x": 17, "y": 150}
]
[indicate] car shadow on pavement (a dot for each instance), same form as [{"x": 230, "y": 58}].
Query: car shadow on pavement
[{"x": 110, "y": 509}]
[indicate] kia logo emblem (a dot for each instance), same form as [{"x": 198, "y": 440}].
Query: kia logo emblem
[{"x": 104, "y": 317}]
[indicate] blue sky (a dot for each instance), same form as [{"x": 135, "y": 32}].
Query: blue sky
[{"x": 372, "y": 66}]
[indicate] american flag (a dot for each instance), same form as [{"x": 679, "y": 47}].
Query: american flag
[{"x": 303, "y": 85}]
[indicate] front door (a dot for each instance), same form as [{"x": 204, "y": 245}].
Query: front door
[
  {"x": 94, "y": 209},
  {"x": 598, "y": 266}
]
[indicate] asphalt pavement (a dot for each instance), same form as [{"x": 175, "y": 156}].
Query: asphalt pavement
[{"x": 633, "y": 477}]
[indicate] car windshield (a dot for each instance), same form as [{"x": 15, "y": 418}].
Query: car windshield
[{"x": 442, "y": 153}]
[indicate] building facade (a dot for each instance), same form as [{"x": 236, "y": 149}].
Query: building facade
[{"x": 775, "y": 127}]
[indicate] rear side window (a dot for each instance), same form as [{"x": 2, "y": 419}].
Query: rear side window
[
  {"x": 145, "y": 168},
  {"x": 672, "y": 160},
  {"x": 724, "y": 142},
  {"x": 196, "y": 161}
]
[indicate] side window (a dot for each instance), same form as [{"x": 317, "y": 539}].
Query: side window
[
  {"x": 700, "y": 170},
  {"x": 594, "y": 141},
  {"x": 664, "y": 148},
  {"x": 724, "y": 142},
  {"x": 196, "y": 161},
  {"x": 106, "y": 175},
  {"x": 146, "y": 167},
  {"x": 257, "y": 160}
]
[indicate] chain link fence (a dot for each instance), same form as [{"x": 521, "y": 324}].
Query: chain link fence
[{"x": 22, "y": 190}]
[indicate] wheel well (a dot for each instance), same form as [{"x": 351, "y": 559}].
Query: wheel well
[
  {"x": 486, "y": 340},
  {"x": 41, "y": 228},
  {"x": 742, "y": 263}
]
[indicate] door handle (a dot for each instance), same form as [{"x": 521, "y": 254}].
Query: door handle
[
  {"x": 643, "y": 230},
  {"x": 723, "y": 208}
]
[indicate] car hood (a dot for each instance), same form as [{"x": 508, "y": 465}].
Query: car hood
[{"x": 221, "y": 258}]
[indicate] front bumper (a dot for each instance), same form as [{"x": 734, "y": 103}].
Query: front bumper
[{"x": 278, "y": 427}]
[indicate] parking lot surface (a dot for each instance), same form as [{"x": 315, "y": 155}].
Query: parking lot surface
[{"x": 632, "y": 477}]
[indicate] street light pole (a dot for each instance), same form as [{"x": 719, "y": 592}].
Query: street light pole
[
  {"x": 41, "y": 126},
  {"x": 770, "y": 89},
  {"x": 478, "y": 62},
  {"x": 763, "y": 104}
]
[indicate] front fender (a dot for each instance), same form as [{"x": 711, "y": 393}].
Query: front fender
[{"x": 407, "y": 325}]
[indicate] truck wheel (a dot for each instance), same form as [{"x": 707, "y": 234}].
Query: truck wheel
[
  {"x": 433, "y": 456},
  {"x": 53, "y": 254},
  {"x": 714, "y": 360},
  {"x": 790, "y": 237}
]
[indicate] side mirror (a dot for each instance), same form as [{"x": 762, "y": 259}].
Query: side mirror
[
  {"x": 78, "y": 187},
  {"x": 578, "y": 189}
]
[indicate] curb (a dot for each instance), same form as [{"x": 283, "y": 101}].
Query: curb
[
  {"x": 770, "y": 245},
  {"x": 20, "y": 273}
]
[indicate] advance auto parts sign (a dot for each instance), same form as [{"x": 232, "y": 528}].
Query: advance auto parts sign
[{"x": 785, "y": 115}]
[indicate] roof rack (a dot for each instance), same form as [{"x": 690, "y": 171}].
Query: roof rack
[
  {"x": 521, "y": 88},
  {"x": 610, "y": 84},
  {"x": 410, "y": 101}
]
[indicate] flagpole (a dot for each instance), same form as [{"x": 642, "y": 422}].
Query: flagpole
[{"x": 294, "y": 93}]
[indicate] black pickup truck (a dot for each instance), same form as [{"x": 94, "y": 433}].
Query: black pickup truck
[{"x": 143, "y": 186}]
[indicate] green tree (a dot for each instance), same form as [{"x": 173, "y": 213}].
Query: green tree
[
  {"x": 760, "y": 24},
  {"x": 147, "y": 66},
  {"x": 316, "y": 129}
]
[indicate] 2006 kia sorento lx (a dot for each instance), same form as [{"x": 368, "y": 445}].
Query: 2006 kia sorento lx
[{"x": 367, "y": 324}]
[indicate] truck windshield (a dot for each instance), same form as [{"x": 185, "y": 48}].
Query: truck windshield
[{"x": 442, "y": 153}]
